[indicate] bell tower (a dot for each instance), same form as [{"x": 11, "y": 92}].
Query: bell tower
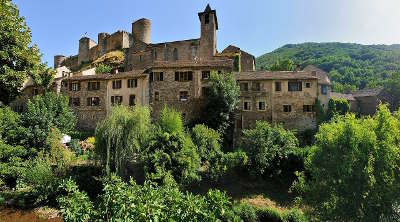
[{"x": 208, "y": 36}]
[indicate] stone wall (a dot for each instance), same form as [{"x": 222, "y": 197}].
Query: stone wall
[
  {"x": 367, "y": 104},
  {"x": 247, "y": 62}
]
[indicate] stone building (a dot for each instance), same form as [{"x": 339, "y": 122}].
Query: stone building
[
  {"x": 286, "y": 98},
  {"x": 324, "y": 85},
  {"x": 349, "y": 97},
  {"x": 369, "y": 99}
]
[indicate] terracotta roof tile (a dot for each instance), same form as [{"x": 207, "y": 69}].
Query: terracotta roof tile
[
  {"x": 367, "y": 92},
  {"x": 267, "y": 75},
  {"x": 323, "y": 77},
  {"x": 133, "y": 74},
  {"x": 348, "y": 97},
  {"x": 227, "y": 63}
]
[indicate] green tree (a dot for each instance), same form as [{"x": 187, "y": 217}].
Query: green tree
[
  {"x": 222, "y": 102},
  {"x": 42, "y": 114},
  {"x": 101, "y": 68},
  {"x": 18, "y": 57},
  {"x": 282, "y": 65},
  {"x": 393, "y": 87},
  {"x": 11, "y": 130},
  {"x": 122, "y": 135},
  {"x": 266, "y": 146},
  {"x": 353, "y": 169},
  {"x": 171, "y": 151},
  {"x": 337, "y": 107}
]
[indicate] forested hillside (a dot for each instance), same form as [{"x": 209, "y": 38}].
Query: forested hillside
[{"x": 351, "y": 66}]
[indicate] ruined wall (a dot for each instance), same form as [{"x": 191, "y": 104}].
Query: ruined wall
[
  {"x": 247, "y": 62},
  {"x": 367, "y": 104}
]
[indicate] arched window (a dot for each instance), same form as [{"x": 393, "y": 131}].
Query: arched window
[{"x": 175, "y": 54}]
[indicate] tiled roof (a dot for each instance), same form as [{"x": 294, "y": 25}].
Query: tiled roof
[
  {"x": 132, "y": 74},
  {"x": 348, "y": 97},
  {"x": 172, "y": 42},
  {"x": 234, "y": 49},
  {"x": 323, "y": 77},
  {"x": 367, "y": 92},
  {"x": 267, "y": 75},
  {"x": 228, "y": 63}
]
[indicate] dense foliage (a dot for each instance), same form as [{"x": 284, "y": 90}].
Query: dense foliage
[
  {"x": 101, "y": 68},
  {"x": 267, "y": 146},
  {"x": 222, "y": 101},
  {"x": 392, "y": 85},
  {"x": 18, "y": 57},
  {"x": 42, "y": 114},
  {"x": 124, "y": 133},
  {"x": 337, "y": 107},
  {"x": 354, "y": 169},
  {"x": 123, "y": 201},
  {"x": 350, "y": 66}
]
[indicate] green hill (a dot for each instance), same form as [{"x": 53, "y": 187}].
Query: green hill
[{"x": 350, "y": 66}]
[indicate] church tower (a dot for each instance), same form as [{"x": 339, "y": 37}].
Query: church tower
[{"x": 208, "y": 36}]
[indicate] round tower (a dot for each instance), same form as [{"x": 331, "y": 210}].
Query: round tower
[
  {"x": 58, "y": 59},
  {"x": 141, "y": 30}
]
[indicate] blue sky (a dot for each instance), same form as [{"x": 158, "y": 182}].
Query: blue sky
[{"x": 256, "y": 26}]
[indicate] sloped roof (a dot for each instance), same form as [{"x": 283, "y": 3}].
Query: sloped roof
[
  {"x": 348, "y": 97},
  {"x": 234, "y": 49},
  {"x": 270, "y": 75},
  {"x": 210, "y": 11},
  {"x": 131, "y": 74},
  {"x": 368, "y": 92},
  {"x": 323, "y": 77}
]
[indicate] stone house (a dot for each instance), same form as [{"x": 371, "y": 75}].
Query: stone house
[
  {"x": 349, "y": 97},
  {"x": 369, "y": 99},
  {"x": 286, "y": 98},
  {"x": 324, "y": 85}
]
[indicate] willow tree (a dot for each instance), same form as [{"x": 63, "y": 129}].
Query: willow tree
[{"x": 121, "y": 136}]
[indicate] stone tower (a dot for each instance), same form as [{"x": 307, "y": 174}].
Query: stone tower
[
  {"x": 58, "y": 60},
  {"x": 141, "y": 30},
  {"x": 85, "y": 44},
  {"x": 208, "y": 33}
]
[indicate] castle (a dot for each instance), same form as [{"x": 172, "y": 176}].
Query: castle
[{"x": 177, "y": 74}]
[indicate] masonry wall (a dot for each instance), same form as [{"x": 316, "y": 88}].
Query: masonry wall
[
  {"x": 247, "y": 62},
  {"x": 367, "y": 104}
]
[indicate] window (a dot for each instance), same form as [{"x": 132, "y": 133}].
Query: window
[
  {"x": 132, "y": 100},
  {"x": 278, "y": 87},
  {"x": 324, "y": 89},
  {"x": 261, "y": 105},
  {"x": 308, "y": 108},
  {"x": 205, "y": 91},
  {"x": 183, "y": 95},
  {"x": 93, "y": 86},
  {"x": 75, "y": 86},
  {"x": 140, "y": 58},
  {"x": 116, "y": 100},
  {"x": 93, "y": 101},
  {"x": 308, "y": 85},
  {"x": 175, "y": 54},
  {"x": 205, "y": 75},
  {"x": 64, "y": 84},
  {"x": 246, "y": 105},
  {"x": 166, "y": 52},
  {"x": 294, "y": 86},
  {"x": 183, "y": 76},
  {"x": 116, "y": 84},
  {"x": 154, "y": 54},
  {"x": 194, "y": 52},
  {"x": 244, "y": 86},
  {"x": 256, "y": 86},
  {"x": 35, "y": 91},
  {"x": 287, "y": 108},
  {"x": 158, "y": 76},
  {"x": 207, "y": 18},
  {"x": 156, "y": 96},
  {"x": 75, "y": 101},
  {"x": 132, "y": 83}
]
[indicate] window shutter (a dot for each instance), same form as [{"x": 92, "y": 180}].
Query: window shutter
[
  {"x": 161, "y": 76},
  {"x": 135, "y": 83},
  {"x": 79, "y": 86},
  {"x": 70, "y": 87},
  {"x": 112, "y": 99},
  {"x": 190, "y": 76},
  {"x": 151, "y": 77},
  {"x": 88, "y": 101},
  {"x": 98, "y": 85},
  {"x": 176, "y": 76},
  {"x": 88, "y": 86}
]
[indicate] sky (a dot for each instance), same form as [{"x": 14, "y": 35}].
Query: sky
[{"x": 256, "y": 26}]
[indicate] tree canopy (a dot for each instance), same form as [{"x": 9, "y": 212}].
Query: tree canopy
[{"x": 18, "y": 57}]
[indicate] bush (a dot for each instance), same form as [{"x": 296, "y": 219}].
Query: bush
[
  {"x": 76, "y": 205},
  {"x": 101, "y": 68},
  {"x": 13, "y": 160},
  {"x": 266, "y": 146},
  {"x": 268, "y": 214},
  {"x": 123, "y": 201},
  {"x": 294, "y": 215},
  {"x": 337, "y": 107},
  {"x": 246, "y": 212},
  {"x": 75, "y": 146}
]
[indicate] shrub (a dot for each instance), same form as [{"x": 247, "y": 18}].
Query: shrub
[
  {"x": 294, "y": 215},
  {"x": 11, "y": 131},
  {"x": 337, "y": 107},
  {"x": 246, "y": 212},
  {"x": 75, "y": 205},
  {"x": 75, "y": 146},
  {"x": 60, "y": 156},
  {"x": 12, "y": 163},
  {"x": 266, "y": 146},
  {"x": 101, "y": 68},
  {"x": 268, "y": 214}
]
